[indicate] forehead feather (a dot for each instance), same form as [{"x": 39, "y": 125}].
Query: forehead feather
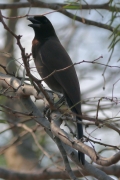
[{"x": 41, "y": 19}]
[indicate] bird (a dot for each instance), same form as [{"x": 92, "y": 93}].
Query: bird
[{"x": 49, "y": 55}]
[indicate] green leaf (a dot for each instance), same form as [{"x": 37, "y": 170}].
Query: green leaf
[{"x": 2, "y": 121}]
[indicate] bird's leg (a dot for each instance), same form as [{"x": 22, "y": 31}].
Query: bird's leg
[
  {"x": 46, "y": 112},
  {"x": 60, "y": 102},
  {"x": 47, "y": 109}
]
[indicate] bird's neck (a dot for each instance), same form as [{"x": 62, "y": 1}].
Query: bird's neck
[{"x": 41, "y": 39}]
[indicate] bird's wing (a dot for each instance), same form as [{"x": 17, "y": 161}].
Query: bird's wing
[{"x": 55, "y": 57}]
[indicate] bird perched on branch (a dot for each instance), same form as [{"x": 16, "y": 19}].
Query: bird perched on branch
[{"x": 50, "y": 55}]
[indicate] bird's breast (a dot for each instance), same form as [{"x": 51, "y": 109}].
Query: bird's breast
[{"x": 43, "y": 70}]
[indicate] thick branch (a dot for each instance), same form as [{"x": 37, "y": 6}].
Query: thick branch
[
  {"x": 7, "y": 81},
  {"x": 41, "y": 174},
  {"x": 52, "y": 173},
  {"x": 77, "y": 145},
  {"x": 82, "y": 147},
  {"x": 62, "y": 8},
  {"x": 31, "y": 107},
  {"x": 37, "y": 114},
  {"x": 72, "y": 6}
]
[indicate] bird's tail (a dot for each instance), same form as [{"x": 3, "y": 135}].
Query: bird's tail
[
  {"x": 79, "y": 136},
  {"x": 79, "y": 126}
]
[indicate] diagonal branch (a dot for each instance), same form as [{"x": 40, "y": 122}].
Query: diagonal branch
[
  {"x": 71, "y": 6},
  {"x": 62, "y": 9}
]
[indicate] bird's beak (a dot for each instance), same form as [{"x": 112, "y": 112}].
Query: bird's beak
[
  {"x": 34, "y": 25},
  {"x": 33, "y": 20}
]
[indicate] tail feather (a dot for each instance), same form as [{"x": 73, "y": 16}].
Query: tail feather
[
  {"x": 79, "y": 126},
  {"x": 81, "y": 156}
]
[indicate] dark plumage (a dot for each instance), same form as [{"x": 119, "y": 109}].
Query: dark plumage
[{"x": 50, "y": 55}]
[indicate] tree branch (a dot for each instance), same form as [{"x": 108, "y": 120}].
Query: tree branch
[
  {"x": 71, "y": 6},
  {"x": 79, "y": 146},
  {"x": 52, "y": 173},
  {"x": 62, "y": 8}
]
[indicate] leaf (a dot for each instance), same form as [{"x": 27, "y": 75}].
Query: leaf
[{"x": 2, "y": 121}]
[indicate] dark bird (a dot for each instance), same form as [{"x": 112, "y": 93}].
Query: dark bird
[{"x": 50, "y": 55}]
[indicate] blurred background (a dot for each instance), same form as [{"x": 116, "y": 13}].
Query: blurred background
[{"x": 98, "y": 82}]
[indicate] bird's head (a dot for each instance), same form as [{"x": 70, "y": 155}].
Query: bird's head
[{"x": 42, "y": 27}]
